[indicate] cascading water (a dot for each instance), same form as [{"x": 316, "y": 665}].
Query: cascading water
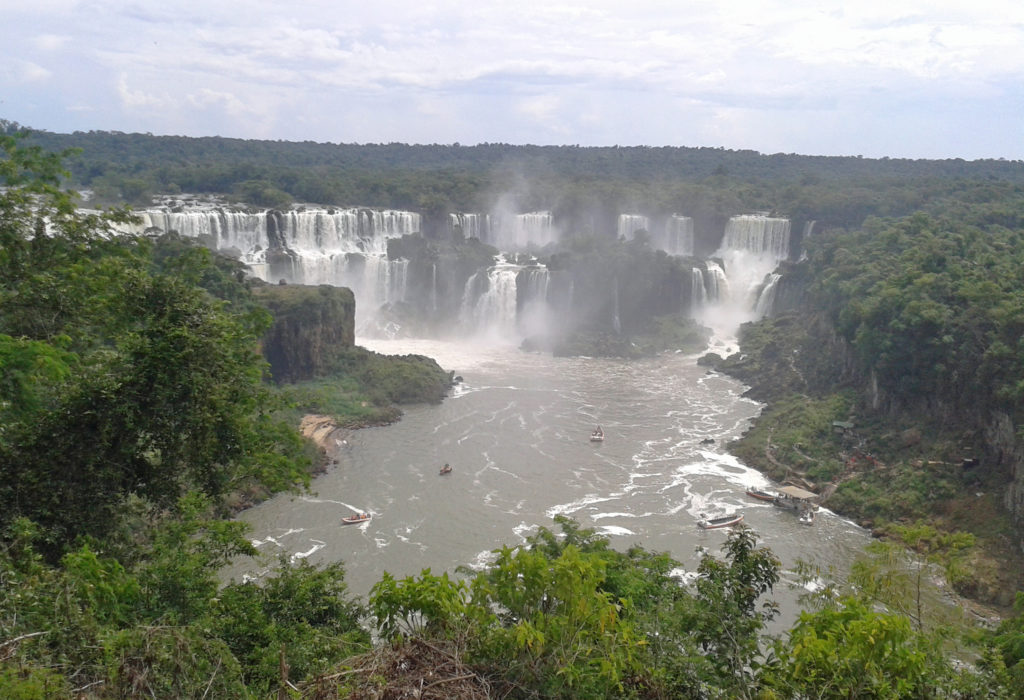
[
  {"x": 629, "y": 224},
  {"x": 533, "y": 314},
  {"x": 698, "y": 295},
  {"x": 808, "y": 232},
  {"x": 489, "y": 302},
  {"x": 766, "y": 299},
  {"x": 716, "y": 284},
  {"x": 519, "y": 232},
  {"x": 751, "y": 249},
  {"x": 340, "y": 247},
  {"x": 616, "y": 323},
  {"x": 471, "y": 225},
  {"x": 676, "y": 238}
]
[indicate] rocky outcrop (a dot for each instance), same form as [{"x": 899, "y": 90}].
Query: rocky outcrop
[
  {"x": 1006, "y": 451},
  {"x": 311, "y": 324}
]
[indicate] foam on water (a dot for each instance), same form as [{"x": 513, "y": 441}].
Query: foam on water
[
  {"x": 614, "y": 530},
  {"x": 317, "y": 546},
  {"x": 516, "y": 432}
]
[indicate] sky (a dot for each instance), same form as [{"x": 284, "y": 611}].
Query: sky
[{"x": 877, "y": 78}]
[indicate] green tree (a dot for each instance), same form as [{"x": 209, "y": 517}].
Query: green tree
[
  {"x": 732, "y": 613},
  {"x": 851, "y": 651}
]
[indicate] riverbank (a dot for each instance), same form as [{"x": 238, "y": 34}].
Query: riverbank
[
  {"x": 327, "y": 435},
  {"x": 882, "y": 471}
]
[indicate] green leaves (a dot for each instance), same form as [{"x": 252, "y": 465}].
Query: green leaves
[{"x": 854, "y": 652}]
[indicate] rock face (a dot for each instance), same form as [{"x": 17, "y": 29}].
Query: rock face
[{"x": 310, "y": 325}]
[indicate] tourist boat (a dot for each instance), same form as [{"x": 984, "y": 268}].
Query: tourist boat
[
  {"x": 597, "y": 436},
  {"x": 796, "y": 499},
  {"x": 761, "y": 495},
  {"x": 446, "y": 469},
  {"x": 357, "y": 518},
  {"x": 723, "y": 521}
]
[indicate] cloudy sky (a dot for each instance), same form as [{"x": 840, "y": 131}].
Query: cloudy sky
[{"x": 899, "y": 78}]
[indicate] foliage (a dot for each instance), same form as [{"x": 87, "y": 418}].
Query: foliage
[
  {"x": 301, "y": 610},
  {"x": 121, "y": 375},
  {"x": 1009, "y": 642},
  {"x": 394, "y": 379},
  {"x": 851, "y": 651}
]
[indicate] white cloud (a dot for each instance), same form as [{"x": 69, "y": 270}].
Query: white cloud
[
  {"x": 139, "y": 99},
  {"x": 50, "y": 42},
  {"x": 445, "y": 70},
  {"x": 21, "y": 72}
]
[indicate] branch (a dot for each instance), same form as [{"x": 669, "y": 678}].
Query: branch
[
  {"x": 449, "y": 680},
  {"x": 22, "y": 637}
]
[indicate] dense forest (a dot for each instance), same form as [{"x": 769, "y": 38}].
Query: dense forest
[{"x": 134, "y": 407}]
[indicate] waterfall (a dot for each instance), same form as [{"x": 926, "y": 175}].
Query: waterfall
[
  {"x": 523, "y": 231},
  {"x": 766, "y": 299},
  {"x": 533, "y": 313},
  {"x": 304, "y": 232},
  {"x": 752, "y": 247},
  {"x": 808, "y": 232},
  {"x": 471, "y": 225},
  {"x": 489, "y": 302},
  {"x": 433, "y": 287},
  {"x": 616, "y": 324},
  {"x": 339, "y": 247},
  {"x": 677, "y": 236},
  {"x": 629, "y": 224},
  {"x": 716, "y": 283},
  {"x": 698, "y": 295},
  {"x": 758, "y": 234}
]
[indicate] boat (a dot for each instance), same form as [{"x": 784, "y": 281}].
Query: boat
[
  {"x": 597, "y": 435},
  {"x": 357, "y": 518},
  {"x": 796, "y": 499},
  {"x": 807, "y": 517},
  {"x": 723, "y": 521},
  {"x": 761, "y": 495},
  {"x": 446, "y": 469}
]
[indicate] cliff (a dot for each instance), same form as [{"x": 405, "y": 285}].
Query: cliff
[{"x": 311, "y": 324}]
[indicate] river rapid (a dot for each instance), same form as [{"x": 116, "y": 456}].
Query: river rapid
[{"x": 516, "y": 433}]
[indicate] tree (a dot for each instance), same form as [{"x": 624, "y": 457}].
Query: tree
[
  {"x": 730, "y": 619},
  {"x": 853, "y": 652},
  {"x": 123, "y": 378}
]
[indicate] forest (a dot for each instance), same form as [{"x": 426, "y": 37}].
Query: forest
[{"x": 134, "y": 408}]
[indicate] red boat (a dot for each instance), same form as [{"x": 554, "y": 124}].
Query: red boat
[{"x": 762, "y": 495}]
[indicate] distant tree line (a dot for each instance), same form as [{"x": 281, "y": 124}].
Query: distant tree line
[{"x": 576, "y": 183}]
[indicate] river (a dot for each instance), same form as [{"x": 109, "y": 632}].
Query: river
[{"x": 516, "y": 433}]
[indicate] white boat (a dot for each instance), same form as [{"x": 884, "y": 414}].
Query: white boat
[{"x": 723, "y": 521}]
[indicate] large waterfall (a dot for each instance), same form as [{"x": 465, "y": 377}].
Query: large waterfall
[
  {"x": 752, "y": 247},
  {"x": 755, "y": 233},
  {"x": 305, "y": 232},
  {"x": 507, "y": 301},
  {"x": 340, "y": 247}
]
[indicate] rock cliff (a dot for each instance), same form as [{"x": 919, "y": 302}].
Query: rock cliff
[{"x": 310, "y": 325}]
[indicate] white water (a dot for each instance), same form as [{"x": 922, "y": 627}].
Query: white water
[{"x": 517, "y": 434}]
